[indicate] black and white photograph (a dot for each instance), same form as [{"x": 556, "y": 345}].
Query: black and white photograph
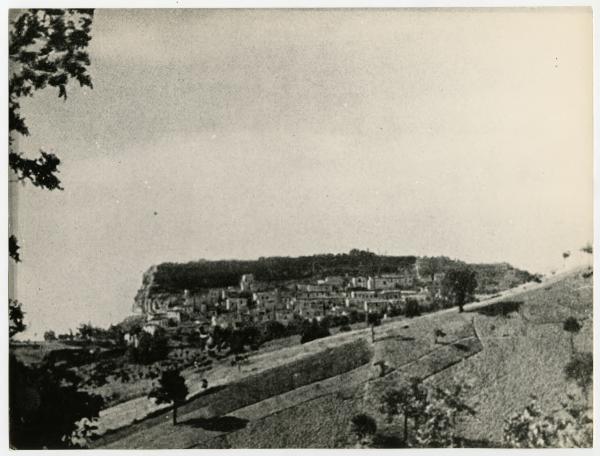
[{"x": 299, "y": 228}]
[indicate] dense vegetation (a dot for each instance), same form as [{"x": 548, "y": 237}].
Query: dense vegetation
[{"x": 202, "y": 274}]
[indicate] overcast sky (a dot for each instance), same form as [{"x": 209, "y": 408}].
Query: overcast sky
[{"x": 239, "y": 134}]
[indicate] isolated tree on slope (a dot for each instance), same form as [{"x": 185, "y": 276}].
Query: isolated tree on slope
[
  {"x": 364, "y": 428},
  {"x": 459, "y": 285},
  {"x": 171, "y": 389},
  {"x": 431, "y": 266},
  {"x": 408, "y": 402},
  {"x": 572, "y": 326}
]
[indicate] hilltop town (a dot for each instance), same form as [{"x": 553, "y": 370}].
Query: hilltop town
[{"x": 408, "y": 283}]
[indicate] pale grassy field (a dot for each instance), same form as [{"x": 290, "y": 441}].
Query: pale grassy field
[{"x": 524, "y": 353}]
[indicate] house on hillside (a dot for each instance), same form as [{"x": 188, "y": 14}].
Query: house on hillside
[
  {"x": 268, "y": 300},
  {"x": 389, "y": 281},
  {"x": 247, "y": 282},
  {"x": 152, "y": 326},
  {"x": 390, "y": 294},
  {"x": 357, "y": 294},
  {"x": 236, "y": 304},
  {"x": 334, "y": 281},
  {"x": 284, "y": 316},
  {"x": 359, "y": 282},
  {"x": 376, "y": 306}
]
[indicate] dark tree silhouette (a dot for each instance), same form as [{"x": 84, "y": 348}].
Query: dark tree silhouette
[
  {"x": 459, "y": 285},
  {"x": 171, "y": 389},
  {"x": 580, "y": 370},
  {"x": 15, "y": 318},
  {"x": 588, "y": 248},
  {"x": 314, "y": 330},
  {"x": 13, "y": 248},
  {"x": 363, "y": 426},
  {"x": 150, "y": 348},
  {"x": 45, "y": 405},
  {"x": 430, "y": 266},
  {"x": 572, "y": 326}
]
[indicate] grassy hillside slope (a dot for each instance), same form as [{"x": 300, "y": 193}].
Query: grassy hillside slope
[
  {"x": 509, "y": 348},
  {"x": 524, "y": 350}
]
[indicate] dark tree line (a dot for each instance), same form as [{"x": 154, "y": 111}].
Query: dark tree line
[{"x": 214, "y": 274}]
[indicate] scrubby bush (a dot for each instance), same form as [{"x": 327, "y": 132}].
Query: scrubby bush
[
  {"x": 432, "y": 411},
  {"x": 531, "y": 428},
  {"x": 356, "y": 316},
  {"x": 364, "y": 427},
  {"x": 374, "y": 319},
  {"x": 580, "y": 370},
  {"x": 272, "y": 329},
  {"x": 150, "y": 348},
  {"x": 314, "y": 330},
  {"x": 412, "y": 308}
]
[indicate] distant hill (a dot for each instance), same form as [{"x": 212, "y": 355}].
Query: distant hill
[{"x": 203, "y": 274}]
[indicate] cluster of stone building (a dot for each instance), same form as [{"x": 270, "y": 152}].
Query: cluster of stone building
[{"x": 254, "y": 301}]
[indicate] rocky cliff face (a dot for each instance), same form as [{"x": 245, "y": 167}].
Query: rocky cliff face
[{"x": 149, "y": 298}]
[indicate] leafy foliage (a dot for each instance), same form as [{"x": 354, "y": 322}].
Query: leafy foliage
[
  {"x": 49, "y": 336},
  {"x": 364, "y": 427},
  {"x": 45, "y": 405},
  {"x": 203, "y": 274},
  {"x": 434, "y": 412},
  {"x": 459, "y": 285},
  {"x": 444, "y": 408},
  {"x": 47, "y": 48},
  {"x": 429, "y": 266},
  {"x": 409, "y": 401},
  {"x": 150, "y": 348},
  {"x": 571, "y": 325},
  {"x": 171, "y": 388},
  {"x": 412, "y": 308},
  {"x": 374, "y": 319},
  {"x": 314, "y": 330},
  {"x": 13, "y": 248},
  {"x": 531, "y": 428},
  {"x": 580, "y": 370},
  {"x": 15, "y": 318}
]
